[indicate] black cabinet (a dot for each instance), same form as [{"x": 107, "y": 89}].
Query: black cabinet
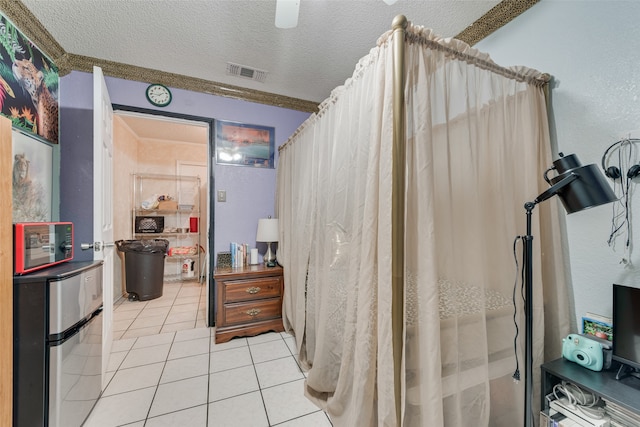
[{"x": 624, "y": 392}]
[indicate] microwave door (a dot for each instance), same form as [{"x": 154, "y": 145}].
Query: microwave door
[{"x": 40, "y": 249}]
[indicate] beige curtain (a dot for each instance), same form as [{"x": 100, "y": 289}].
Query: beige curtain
[{"x": 477, "y": 145}]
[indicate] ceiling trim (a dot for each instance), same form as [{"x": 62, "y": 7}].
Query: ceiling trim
[
  {"x": 499, "y": 16},
  {"x": 22, "y": 18},
  {"x": 30, "y": 26}
]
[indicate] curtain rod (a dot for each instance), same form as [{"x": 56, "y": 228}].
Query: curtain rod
[
  {"x": 464, "y": 52},
  {"x": 453, "y": 47}
]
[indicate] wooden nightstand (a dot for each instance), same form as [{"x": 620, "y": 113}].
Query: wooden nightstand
[{"x": 249, "y": 301}]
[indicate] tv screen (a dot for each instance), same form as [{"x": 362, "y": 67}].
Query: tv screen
[{"x": 626, "y": 325}]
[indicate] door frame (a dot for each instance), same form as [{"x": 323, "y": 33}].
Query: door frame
[
  {"x": 6, "y": 277},
  {"x": 211, "y": 164}
]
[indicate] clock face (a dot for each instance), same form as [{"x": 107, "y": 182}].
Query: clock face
[{"x": 159, "y": 95}]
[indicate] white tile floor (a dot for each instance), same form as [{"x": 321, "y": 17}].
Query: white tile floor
[{"x": 166, "y": 370}]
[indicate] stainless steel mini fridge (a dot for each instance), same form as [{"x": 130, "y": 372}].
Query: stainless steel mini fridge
[{"x": 57, "y": 345}]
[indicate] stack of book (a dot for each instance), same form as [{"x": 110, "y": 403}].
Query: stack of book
[{"x": 239, "y": 254}]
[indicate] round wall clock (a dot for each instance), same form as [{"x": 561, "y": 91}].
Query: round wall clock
[{"x": 159, "y": 95}]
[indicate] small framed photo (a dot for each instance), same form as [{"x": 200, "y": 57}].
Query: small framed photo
[
  {"x": 242, "y": 144},
  {"x": 32, "y": 178}
]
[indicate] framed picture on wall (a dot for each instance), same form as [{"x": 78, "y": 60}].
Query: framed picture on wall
[
  {"x": 244, "y": 145},
  {"x": 32, "y": 178}
]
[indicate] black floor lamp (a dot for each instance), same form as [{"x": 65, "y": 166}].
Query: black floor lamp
[{"x": 579, "y": 187}]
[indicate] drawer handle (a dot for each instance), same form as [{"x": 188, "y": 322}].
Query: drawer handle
[
  {"x": 253, "y": 290},
  {"x": 253, "y": 312}
]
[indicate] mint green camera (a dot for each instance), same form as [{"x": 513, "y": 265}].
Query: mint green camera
[{"x": 583, "y": 351}]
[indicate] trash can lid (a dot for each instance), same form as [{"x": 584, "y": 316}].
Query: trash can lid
[{"x": 143, "y": 245}]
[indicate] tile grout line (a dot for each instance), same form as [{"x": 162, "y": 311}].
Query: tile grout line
[
  {"x": 155, "y": 393},
  {"x": 170, "y": 308},
  {"x": 255, "y": 371}
]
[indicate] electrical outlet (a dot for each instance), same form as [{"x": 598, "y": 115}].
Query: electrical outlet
[{"x": 222, "y": 195}]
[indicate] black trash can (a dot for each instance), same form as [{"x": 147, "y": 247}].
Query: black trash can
[{"x": 144, "y": 267}]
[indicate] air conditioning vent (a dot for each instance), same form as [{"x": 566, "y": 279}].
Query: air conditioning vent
[{"x": 246, "y": 72}]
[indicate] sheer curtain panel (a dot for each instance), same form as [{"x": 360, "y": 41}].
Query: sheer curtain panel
[{"x": 477, "y": 143}]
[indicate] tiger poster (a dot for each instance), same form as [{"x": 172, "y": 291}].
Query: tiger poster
[{"x": 29, "y": 84}]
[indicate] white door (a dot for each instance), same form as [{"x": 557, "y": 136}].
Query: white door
[{"x": 103, "y": 204}]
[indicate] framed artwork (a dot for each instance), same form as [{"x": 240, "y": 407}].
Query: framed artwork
[
  {"x": 32, "y": 178},
  {"x": 28, "y": 84},
  {"x": 244, "y": 145}
]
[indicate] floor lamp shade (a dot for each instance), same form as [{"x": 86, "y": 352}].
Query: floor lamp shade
[
  {"x": 588, "y": 190},
  {"x": 579, "y": 187},
  {"x": 268, "y": 232}
]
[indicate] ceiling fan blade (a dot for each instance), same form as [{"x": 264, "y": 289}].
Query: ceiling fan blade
[{"x": 287, "y": 13}]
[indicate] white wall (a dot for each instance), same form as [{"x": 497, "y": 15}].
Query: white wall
[{"x": 592, "y": 50}]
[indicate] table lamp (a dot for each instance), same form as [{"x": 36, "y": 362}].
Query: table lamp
[{"x": 268, "y": 233}]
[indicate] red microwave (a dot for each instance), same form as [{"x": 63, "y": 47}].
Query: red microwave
[{"x": 38, "y": 245}]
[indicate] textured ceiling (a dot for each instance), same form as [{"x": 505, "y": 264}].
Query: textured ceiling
[{"x": 196, "y": 38}]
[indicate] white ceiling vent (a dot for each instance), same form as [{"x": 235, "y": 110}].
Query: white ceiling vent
[{"x": 246, "y": 72}]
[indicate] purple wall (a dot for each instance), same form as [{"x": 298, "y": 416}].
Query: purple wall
[
  {"x": 76, "y": 161},
  {"x": 250, "y": 191}
]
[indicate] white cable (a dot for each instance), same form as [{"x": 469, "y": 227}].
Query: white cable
[{"x": 580, "y": 400}]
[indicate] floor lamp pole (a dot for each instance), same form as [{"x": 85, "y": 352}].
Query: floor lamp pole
[
  {"x": 528, "y": 295},
  {"x": 528, "y": 312}
]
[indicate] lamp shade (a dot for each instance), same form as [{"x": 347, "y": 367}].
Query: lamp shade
[
  {"x": 267, "y": 230},
  {"x": 588, "y": 190}
]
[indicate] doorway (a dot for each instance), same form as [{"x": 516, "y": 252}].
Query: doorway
[{"x": 154, "y": 142}]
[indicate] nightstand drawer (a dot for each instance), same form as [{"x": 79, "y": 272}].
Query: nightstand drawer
[
  {"x": 252, "y": 289},
  {"x": 253, "y": 311}
]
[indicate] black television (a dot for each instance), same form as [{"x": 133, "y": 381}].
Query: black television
[{"x": 626, "y": 329}]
